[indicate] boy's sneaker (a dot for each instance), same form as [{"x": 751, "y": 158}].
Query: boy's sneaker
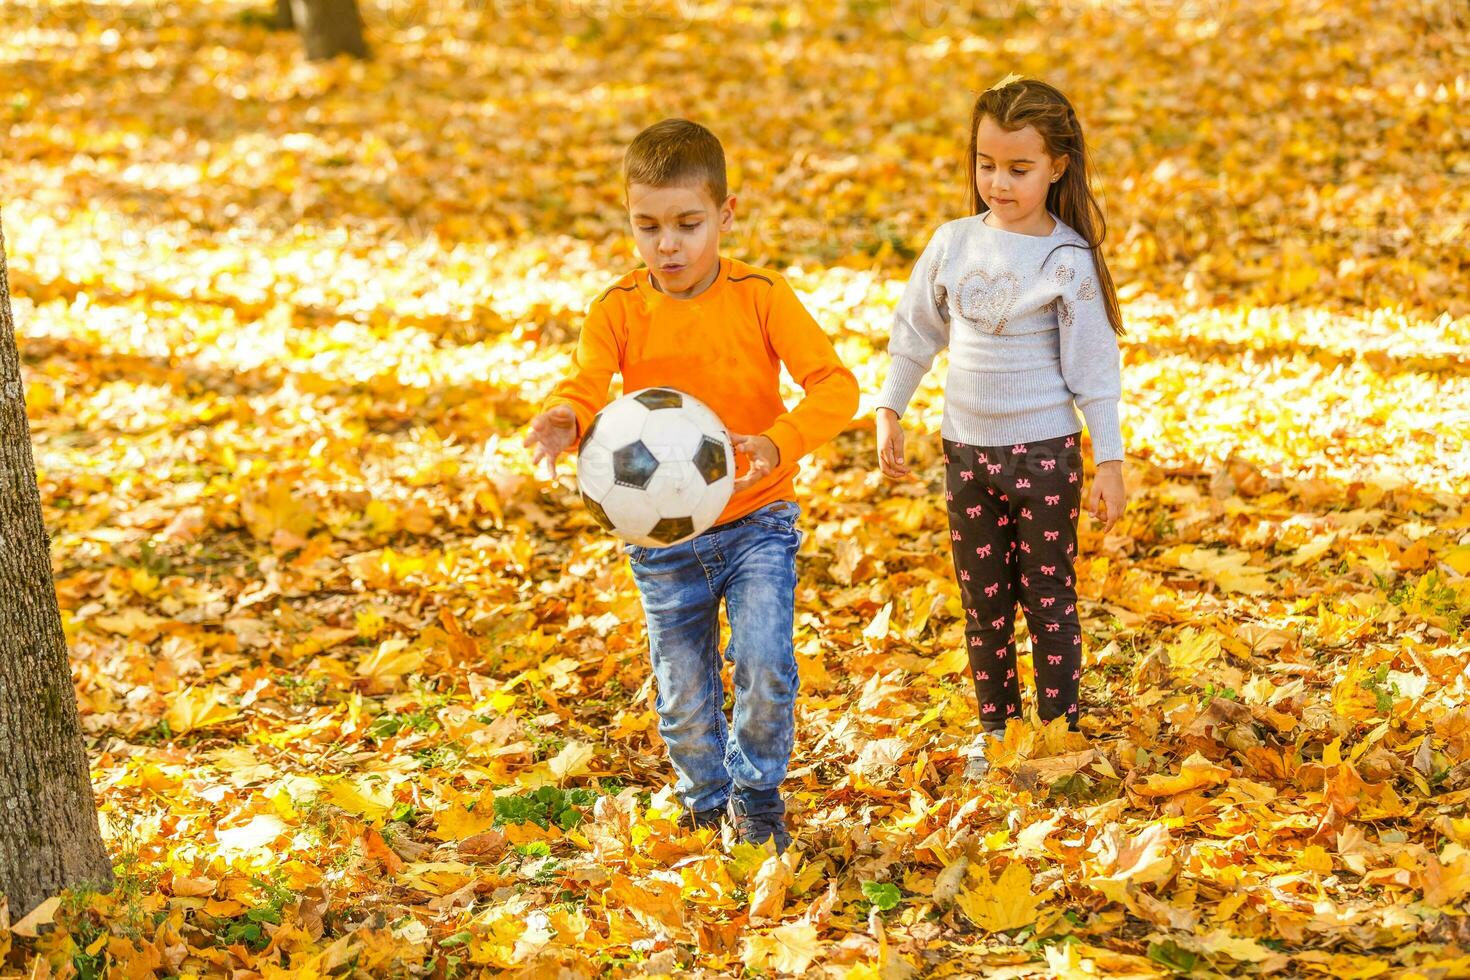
[
  {"x": 757, "y": 828},
  {"x": 978, "y": 767}
]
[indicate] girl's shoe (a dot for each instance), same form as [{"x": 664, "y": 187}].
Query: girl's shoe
[{"x": 977, "y": 767}]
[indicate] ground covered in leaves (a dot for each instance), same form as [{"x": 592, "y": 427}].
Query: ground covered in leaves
[{"x": 364, "y": 698}]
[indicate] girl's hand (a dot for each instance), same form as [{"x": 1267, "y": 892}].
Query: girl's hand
[
  {"x": 552, "y": 433},
  {"x": 763, "y": 454},
  {"x": 890, "y": 446},
  {"x": 1109, "y": 496}
]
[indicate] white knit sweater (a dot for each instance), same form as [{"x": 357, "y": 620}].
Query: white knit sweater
[{"x": 1028, "y": 334}]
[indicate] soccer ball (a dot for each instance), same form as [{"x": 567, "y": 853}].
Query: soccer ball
[{"x": 656, "y": 467}]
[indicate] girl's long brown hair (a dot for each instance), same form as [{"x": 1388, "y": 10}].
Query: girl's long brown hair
[{"x": 1026, "y": 102}]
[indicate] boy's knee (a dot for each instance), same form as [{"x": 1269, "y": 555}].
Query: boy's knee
[
  {"x": 684, "y": 721},
  {"x": 768, "y": 686}
]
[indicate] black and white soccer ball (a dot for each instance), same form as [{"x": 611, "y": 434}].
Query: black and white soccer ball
[{"x": 656, "y": 467}]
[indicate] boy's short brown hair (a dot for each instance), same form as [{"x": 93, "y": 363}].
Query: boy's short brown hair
[{"x": 677, "y": 151}]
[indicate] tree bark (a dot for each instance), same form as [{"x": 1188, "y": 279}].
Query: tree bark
[
  {"x": 284, "y": 21},
  {"x": 329, "y": 28},
  {"x": 49, "y": 840}
]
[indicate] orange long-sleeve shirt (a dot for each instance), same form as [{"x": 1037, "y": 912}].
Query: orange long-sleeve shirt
[{"x": 725, "y": 347}]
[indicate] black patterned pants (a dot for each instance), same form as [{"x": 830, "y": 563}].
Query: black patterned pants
[{"x": 1013, "y": 530}]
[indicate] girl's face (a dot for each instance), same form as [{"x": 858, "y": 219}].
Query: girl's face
[{"x": 1013, "y": 171}]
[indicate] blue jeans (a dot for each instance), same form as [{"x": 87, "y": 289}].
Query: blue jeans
[{"x": 749, "y": 562}]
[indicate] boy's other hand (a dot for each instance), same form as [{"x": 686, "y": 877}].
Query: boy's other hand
[
  {"x": 552, "y": 433},
  {"x": 890, "y": 446},
  {"x": 1109, "y": 496},
  {"x": 763, "y": 454}
]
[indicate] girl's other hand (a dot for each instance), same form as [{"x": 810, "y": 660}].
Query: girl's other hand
[
  {"x": 1109, "y": 496},
  {"x": 890, "y": 446}
]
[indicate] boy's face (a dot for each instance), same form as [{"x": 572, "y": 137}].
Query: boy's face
[
  {"x": 1012, "y": 170},
  {"x": 677, "y": 230}
]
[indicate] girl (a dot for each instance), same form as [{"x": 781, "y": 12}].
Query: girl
[{"x": 1021, "y": 295}]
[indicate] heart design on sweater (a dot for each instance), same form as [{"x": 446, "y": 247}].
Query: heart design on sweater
[{"x": 987, "y": 300}]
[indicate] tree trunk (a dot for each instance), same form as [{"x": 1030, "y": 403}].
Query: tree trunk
[
  {"x": 283, "y": 21},
  {"x": 49, "y": 839},
  {"x": 329, "y": 28}
]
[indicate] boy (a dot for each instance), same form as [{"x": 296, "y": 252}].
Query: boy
[{"x": 719, "y": 330}]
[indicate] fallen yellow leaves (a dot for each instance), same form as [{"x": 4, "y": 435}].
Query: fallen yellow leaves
[
  {"x": 362, "y": 694},
  {"x": 1230, "y": 569}
]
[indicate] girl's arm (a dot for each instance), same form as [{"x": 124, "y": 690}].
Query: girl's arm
[
  {"x": 1090, "y": 360},
  {"x": 1090, "y": 364},
  {"x": 920, "y": 327}
]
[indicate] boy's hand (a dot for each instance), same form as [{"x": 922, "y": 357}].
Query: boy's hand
[
  {"x": 890, "y": 446},
  {"x": 763, "y": 454},
  {"x": 1109, "y": 496},
  {"x": 552, "y": 433}
]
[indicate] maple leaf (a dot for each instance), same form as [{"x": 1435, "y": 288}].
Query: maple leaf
[
  {"x": 1002, "y": 905},
  {"x": 1197, "y": 772},
  {"x": 769, "y": 885},
  {"x": 786, "y": 949},
  {"x": 1126, "y": 861},
  {"x": 194, "y": 708}
]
